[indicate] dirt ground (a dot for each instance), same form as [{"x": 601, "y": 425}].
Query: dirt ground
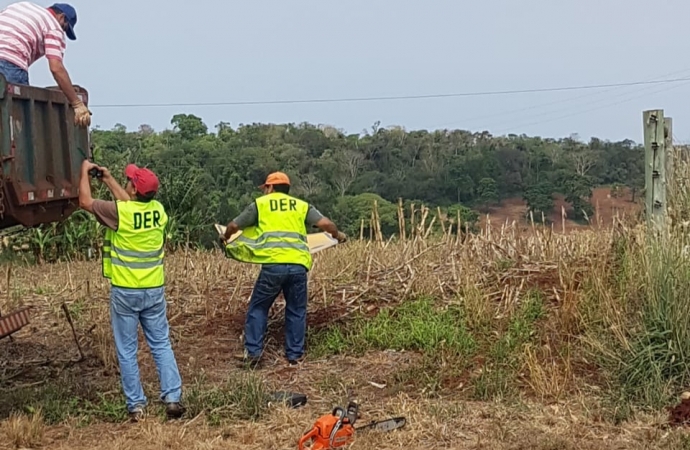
[
  {"x": 208, "y": 297},
  {"x": 441, "y": 421}
]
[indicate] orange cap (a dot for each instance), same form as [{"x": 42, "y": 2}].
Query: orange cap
[{"x": 276, "y": 178}]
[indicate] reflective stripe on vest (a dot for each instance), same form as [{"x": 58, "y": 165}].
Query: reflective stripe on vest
[
  {"x": 107, "y": 263},
  {"x": 136, "y": 248},
  {"x": 280, "y": 237}
]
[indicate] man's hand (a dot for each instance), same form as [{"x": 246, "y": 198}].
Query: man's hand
[
  {"x": 82, "y": 115},
  {"x": 106, "y": 173},
  {"x": 342, "y": 237},
  {"x": 231, "y": 229},
  {"x": 87, "y": 165}
]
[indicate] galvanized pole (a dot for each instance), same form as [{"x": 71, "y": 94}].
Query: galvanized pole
[{"x": 655, "y": 168}]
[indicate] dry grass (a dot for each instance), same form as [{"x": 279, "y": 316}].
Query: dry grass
[
  {"x": 431, "y": 425},
  {"x": 22, "y": 431},
  {"x": 529, "y": 304}
]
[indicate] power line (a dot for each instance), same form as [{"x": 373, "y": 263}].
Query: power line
[
  {"x": 384, "y": 98},
  {"x": 474, "y": 119},
  {"x": 576, "y": 113}
]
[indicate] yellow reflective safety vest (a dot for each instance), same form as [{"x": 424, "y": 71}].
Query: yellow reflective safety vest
[
  {"x": 133, "y": 255},
  {"x": 280, "y": 237}
]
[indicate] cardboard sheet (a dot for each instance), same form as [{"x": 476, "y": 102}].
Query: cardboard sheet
[{"x": 316, "y": 241}]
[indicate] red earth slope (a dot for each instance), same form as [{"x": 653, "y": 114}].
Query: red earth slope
[{"x": 606, "y": 207}]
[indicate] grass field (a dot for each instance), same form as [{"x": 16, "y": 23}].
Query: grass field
[{"x": 507, "y": 339}]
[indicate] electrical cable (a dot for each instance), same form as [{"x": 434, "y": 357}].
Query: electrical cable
[{"x": 384, "y": 98}]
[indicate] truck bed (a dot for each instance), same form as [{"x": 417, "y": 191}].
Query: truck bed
[{"x": 41, "y": 151}]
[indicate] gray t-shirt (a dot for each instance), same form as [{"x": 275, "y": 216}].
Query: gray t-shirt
[{"x": 250, "y": 216}]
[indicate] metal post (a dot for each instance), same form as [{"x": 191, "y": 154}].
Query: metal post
[
  {"x": 670, "y": 160},
  {"x": 655, "y": 167}
]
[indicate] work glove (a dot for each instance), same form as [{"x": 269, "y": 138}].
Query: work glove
[
  {"x": 82, "y": 115},
  {"x": 341, "y": 237}
]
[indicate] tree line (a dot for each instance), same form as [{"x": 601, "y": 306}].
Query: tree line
[{"x": 208, "y": 176}]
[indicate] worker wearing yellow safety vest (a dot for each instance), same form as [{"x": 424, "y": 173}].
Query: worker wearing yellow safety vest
[
  {"x": 274, "y": 234},
  {"x": 133, "y": 261}
]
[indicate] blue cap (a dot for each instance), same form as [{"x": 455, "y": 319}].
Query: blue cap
[{"x": 70, "y": 16}]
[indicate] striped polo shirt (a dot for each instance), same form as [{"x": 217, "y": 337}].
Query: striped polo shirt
[{"x": 28, "y": 32}]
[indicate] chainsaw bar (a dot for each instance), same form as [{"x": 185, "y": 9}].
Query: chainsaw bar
[{"x": 384, "y": 425}]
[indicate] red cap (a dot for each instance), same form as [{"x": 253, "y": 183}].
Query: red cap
[{"x": 143, "y": 180}]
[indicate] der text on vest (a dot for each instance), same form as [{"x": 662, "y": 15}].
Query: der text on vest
[
  {"x": 282, "y": 205},
  {"x": 148, "y": 219}
]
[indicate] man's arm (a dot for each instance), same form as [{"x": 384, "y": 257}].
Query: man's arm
[
  {"x": 57, "y": 68},
  {"x": 55, "y": 52},
  {"x": 118, "y": 191},
  {"x": 105, "y": 212},
  {"x": 85, "y": 198},
  {"x": 248, "y": 217},
  {"x": 316, "y": 219}
]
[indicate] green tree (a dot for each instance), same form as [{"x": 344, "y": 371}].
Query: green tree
[
  {"x": 351, "y": 210},
  {"x": 487, "y": 191},
  {"x": 189, "y": 126},
  {"x": 539, "y": 198}
]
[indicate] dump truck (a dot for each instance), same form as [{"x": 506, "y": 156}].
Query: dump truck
[{"x": 41, "y": 152}]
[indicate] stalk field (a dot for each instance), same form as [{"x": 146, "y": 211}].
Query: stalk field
[{"x": 500, "y": 339}]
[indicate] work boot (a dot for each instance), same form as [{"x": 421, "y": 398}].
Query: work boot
[
  {"x": 294, "y": 363},
  {"x": 137, "y": 413},
  {"x": 249, "y": 362},
  {"x": 174, "y": 410}
]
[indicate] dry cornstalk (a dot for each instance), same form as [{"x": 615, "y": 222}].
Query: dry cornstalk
[
  {"x": 412, "y": 217},
  {"x": 401, "y": 219},
  {"x": 441, "y": 220}
]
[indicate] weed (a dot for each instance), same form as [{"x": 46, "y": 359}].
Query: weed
[
  {"x": 506, "y": 355},
  {"x": 425, "y": 377},
  {"x": 414, "y": 325},
  {"x": 418, "y": 325},
  {"x": 25, "y": 430},
  {"x": 643, "y": 346},
  {"x": 331, "y": 341},
  {"x": 59, "y": 401},
  {"x": 243, "y": 397}
]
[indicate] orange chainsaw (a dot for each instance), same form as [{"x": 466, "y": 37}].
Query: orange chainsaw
[{"x": 337, "y": 429}]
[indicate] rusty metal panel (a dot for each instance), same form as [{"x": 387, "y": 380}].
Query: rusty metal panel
[
  {"x": 42, "y": 151},
  {"x": 14, "y": 322}
]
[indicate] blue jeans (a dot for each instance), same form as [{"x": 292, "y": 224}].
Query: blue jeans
[
  {"x": 14, "y": 73},
  {"x": 292, "y": 280},
  {"x": 129, "y": 308}
]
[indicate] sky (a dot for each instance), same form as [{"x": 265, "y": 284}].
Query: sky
[{"x": 138, "y": 52}]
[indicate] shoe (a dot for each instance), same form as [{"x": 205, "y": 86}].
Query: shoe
[
  {"x": 174, "y": 410},
  {"x": 249, "y": 362},
  {"x": 137, "y": 413},
  {"x": 296, "y": 362}
]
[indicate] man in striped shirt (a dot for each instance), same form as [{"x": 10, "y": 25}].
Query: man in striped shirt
[{"x": 29, "y": 32}]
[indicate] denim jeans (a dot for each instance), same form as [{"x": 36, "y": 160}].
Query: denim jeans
[
  {"x": 14, "y": 73},
  {"x": 129, "y": 308},
  {"x": 292, "y": 280}
]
